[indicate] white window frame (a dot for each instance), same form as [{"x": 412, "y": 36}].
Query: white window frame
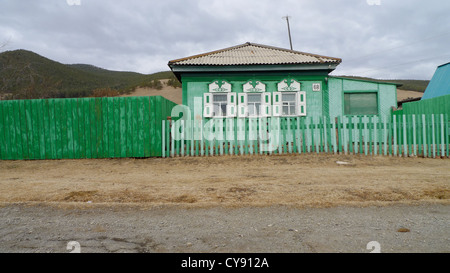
[
  {"x": 225, "y": 103},
  {"x": 249, "y": 105},
  {"x": 265, "y": 109},
  {"x": 230, "y": 105},
  {"x": 299, "y": 103},
  {"x": 290, "y": 104}
]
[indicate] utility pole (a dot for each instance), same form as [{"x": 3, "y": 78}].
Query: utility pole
[{"x": 289, "y": 29}]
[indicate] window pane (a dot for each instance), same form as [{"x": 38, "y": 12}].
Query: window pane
[
  {"x": 288, "y": 97},
  {"x": 216, "y": 109},
  {"x": 254, "y": 109},
  {"x": 253, "y": 98},
  {"x": 360, "y": 104},
  {"x": 347, "y": 110},
  {"x": 224, "y": 109},
  {"x": 220, "y": 109},
  {"x": 251, "y": 110},
  {"x": 219, "y": 98},
  {"x": 292, "y": 110},
  {"x": 285, "y": 110},
  {"x": 258, "y": 108}
]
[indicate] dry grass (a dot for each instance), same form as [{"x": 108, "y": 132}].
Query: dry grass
[
  {"x": 168, "y": 92},
  {"x": 407, "y": 94},
  {"x": 403, "y": 230},
  {"x": 313, "y": 180}
]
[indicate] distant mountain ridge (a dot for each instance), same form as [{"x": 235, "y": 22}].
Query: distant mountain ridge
[{"x": 27, "y": 75}]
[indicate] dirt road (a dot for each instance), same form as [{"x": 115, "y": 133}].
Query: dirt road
[
  {"x": 225, "y": 230},
  {"x": 303, "y": 203}
]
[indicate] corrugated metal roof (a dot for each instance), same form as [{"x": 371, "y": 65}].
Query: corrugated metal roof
[
  {"x": 254, "y": 54},
  {"x": 439, "y": 84}
]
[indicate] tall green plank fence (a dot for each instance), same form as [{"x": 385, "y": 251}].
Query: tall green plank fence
[
  {"x": 438, "y": 105},
  {"x": 82, "y": 127},
  {"x": 401, "y": 135}
]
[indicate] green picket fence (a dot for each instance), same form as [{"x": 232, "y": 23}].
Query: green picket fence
[
  {"x": 400, "y": 135},
  {"x": 82, "y": 127}
]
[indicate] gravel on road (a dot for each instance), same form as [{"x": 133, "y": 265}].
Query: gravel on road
[{"x": 276, "y": 229}]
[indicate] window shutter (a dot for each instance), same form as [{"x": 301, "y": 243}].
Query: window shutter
[
  {"x": 242, "y": 105},
  {"x": 277, "y": 104},
  {"x": 231, "y": 105},
  {"x": 266, "y": 105},
  {"x": 207, "y": 105},
  {"x": 301, "y": 101}
]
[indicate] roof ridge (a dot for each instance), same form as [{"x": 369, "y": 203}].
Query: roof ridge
[
  {"x": 294, "y": 51},
  {"x": 443, "y": 64},
  {"x": 320, "y": 58},
  {"x": 207, "y": 53}
]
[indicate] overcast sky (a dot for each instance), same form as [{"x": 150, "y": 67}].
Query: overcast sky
[{"x": 403, "y": 39}]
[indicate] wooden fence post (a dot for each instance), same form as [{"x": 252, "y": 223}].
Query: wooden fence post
[{"x": 337, "y": 131}]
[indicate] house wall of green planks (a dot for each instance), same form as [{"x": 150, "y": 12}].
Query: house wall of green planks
[{"x": 82, "y": 127}]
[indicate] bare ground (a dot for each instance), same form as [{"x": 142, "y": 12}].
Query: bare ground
[
  {"x": 276, "y": 204},
  {"x": 307, "y": 180},
  {"x": 168, "y": 92}
]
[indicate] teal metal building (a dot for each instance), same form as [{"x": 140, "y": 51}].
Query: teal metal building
[{"x": 439, "y": 84}]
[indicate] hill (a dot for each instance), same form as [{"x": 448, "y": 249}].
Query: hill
[{"x": 27, "y": 75}]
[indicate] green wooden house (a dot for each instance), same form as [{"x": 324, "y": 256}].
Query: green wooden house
[{"x": 253, "y": 80}]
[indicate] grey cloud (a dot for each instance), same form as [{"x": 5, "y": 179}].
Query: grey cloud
[{"x": 385, "y": 41}]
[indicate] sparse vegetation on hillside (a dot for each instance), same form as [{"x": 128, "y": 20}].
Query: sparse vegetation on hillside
[
  {"x": 105, "y": 92},
  {"x": 412, "y": 85},
  {"x": 27, "y": 75},
  {"x": 174, "y": 82},
  {"x": 156, "y": 84}
]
